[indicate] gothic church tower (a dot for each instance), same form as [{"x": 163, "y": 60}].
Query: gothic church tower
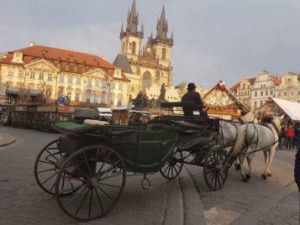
[{"x": 152, "y": 61}]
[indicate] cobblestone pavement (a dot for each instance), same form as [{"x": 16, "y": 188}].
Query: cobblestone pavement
[
  {"x": 23, "y": 202},
  {"x": 263, "y": 202}
]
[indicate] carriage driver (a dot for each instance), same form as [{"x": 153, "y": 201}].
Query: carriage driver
[{"x": 192, "y": 97}]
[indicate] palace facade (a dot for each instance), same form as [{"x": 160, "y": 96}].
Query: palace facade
[{"x": 42, "y": 71}]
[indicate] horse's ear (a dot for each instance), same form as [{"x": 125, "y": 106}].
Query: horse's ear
[{"x": 281, "y": 117}]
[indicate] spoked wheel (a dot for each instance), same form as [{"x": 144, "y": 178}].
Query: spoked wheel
[
  {"x": 173, "y": 166},
  {"x": 103, "y": 175},
  {"x": 46, "y": 168},
  {"x": 215, "y": 170}
]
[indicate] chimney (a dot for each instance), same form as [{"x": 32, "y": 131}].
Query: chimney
[{"x": 31, "y": 44}]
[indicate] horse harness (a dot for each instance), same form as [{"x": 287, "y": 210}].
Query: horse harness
[{"x": 256, "y": 143}]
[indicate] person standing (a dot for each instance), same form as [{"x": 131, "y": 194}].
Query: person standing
[
  {"x": 290, "y": 133},
  {"x": 192, "y": 97}
]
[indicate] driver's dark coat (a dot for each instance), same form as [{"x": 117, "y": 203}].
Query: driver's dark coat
[
  {"x": 191, "y": 96},
  {"x": 297, "y": 168}
]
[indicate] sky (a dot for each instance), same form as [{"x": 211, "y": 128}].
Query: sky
[{"x": 214, "y": 39}]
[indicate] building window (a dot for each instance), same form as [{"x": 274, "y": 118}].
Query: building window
[
  {"x": 284, "y": 93},
  {"x": 77, "y": 96},
  {"x": 133, "y": 48},
  {"x": 298, "y": 92},
  {"x": 261, "y": 93},
  {"x": 70, "y": 80},
  {"x": 49, "y": 77},
  {"x": 255, "y": 104},
  {"x": 20, "y": 73},
  {"x": 255, "y": 94},
  {"x": 163, "y": 54},
  {"x": 62, "y": 78},
  {"x": 41, "y": 76},
  {"x": 112, "y": 86},
  {"x": 121, "y": 87},
  {"x": 278, "y": 94},
  {"x": 90, "y": 83},
  {"x": 78, "y": 80},
  {"x": 267, "y": 92},
  {"x": 69, "y": 94},
  {"x": 32, "y": 75},
  {"x": 271, "y": 93},
  {"x": 71, "y": 67},
  {"x": 103, "y": 84},
  {"x": 292, "y": 93},
  {"x": 97, "y": 83}
]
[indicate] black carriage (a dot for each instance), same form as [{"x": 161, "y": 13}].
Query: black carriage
[{"x": 86, "y": 167}]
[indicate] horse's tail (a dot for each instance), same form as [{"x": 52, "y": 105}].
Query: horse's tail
[{"x": 240, "y": 140}]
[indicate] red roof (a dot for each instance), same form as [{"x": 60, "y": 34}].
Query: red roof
[
  {"x": 276, "y": 80},
  {"x": 65, "y": 60}
]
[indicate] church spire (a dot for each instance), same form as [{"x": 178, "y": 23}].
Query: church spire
[
  {"x": 132, "y": 23},
  {"x": 132, "y": 19},
  {"x": 162, "y": 26}
]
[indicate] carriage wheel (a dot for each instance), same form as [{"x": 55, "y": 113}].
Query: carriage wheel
[
  {"x": 46, "y": 168},
  {"x": 173, "y": 166},
  {"x": 103, "y": 174},
  {"x": 214, "y": 170}
]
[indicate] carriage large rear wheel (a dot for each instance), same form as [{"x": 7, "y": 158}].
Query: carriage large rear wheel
[
  {"x": 215, "y": 171},
  {"x": 173, "y": 166},
  {"x": 103, "y": 174}
]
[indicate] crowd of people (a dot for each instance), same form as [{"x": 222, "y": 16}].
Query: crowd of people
[{"x": 287, "y": 138}]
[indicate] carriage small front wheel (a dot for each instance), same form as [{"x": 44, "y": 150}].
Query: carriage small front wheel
[
  {"x": 215, "y": 171},
  {"x": 103, "y": 174},
  {"x": 172, "y": 166}
]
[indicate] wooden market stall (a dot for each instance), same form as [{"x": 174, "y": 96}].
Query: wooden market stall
[{"x": 221, "y": 102}]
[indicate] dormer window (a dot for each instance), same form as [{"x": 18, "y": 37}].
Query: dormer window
[{"x": 17, "y": 57}]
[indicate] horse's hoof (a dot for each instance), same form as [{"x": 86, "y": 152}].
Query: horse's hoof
[
  {"x": 264, "y": 176},
  {"x": 248, "y": 176},
  {"x": 237, "y": 166},
  {"x": 245, "y": 180}
]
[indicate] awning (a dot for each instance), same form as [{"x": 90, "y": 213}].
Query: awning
[
  {"x": 291, "y": 109},
  {"x": 35, "y": 92},
  {"x": 12, "y": 91}
]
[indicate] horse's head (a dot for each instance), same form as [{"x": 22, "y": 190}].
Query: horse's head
[
  {"x": 249, "y": 117},
  {"x": 277, "y": 120}
]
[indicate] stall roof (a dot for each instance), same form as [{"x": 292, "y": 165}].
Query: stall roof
[{"x": 291, "y": 109}]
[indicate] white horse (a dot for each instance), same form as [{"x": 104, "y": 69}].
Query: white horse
[
  {"x": 254, "y": 137},
  {"x": 228, "y": 131}
]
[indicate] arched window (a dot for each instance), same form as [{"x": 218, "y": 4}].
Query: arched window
[
  {"x": 163, "y": 54},
  {"x": 147, "y": 80},
  {"x": 133, "y": 47}
]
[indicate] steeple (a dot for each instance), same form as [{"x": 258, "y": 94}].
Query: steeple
[
  {"x": 162, "y": 29},
  {"x": 132, "y": 23},
  {"x": 132, "y": 19},
  {"x": 162, "y": 26}
]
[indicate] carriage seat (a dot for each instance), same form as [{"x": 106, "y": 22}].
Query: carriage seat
[{"x": 95, "y": 122}]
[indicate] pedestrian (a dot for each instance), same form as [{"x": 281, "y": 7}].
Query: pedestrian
[
  {"x": 290, "y": 134},
  {"x": 192, "y": 97},
  {"x": 281, "y": 138}
]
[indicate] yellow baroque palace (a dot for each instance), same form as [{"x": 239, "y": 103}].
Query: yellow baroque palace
[{"x": 51, "y": 72}]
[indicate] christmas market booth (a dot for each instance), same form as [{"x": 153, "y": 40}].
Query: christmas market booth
[{"x": 221, "y": 102}]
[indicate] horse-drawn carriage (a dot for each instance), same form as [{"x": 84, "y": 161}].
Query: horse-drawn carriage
[{"x": 86, "y": 167}]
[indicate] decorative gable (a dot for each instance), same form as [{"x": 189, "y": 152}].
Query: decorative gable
[{"x": 42, "y": 64}]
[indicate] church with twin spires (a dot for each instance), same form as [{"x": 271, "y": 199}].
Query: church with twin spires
[{"x": 146, "y": 64}]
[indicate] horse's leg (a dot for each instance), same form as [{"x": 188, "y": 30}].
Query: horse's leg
[
  {"x": 267, "y": 157},
  {"x": 249, "y": 160},
  {"x": 243, "y": 175},
  {"x": 271, "y": 157},
  {"x": 237, "y": 164}
]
